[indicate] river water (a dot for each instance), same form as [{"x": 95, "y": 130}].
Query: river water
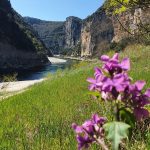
[{"x": 44, "y": 71}]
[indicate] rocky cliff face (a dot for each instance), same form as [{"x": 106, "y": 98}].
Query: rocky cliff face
[
  {"x": 59, "y": 37},
  {"x": 75, "y": 36},
  {"x": 100, "y": 30},
  {"x": 97, "y": 32},
  {"x": 72, "y": 31},
  {"x": 86, "y": 39},
  {"x": 19, "y": 46},
  {"x": 131, "y": 21}
]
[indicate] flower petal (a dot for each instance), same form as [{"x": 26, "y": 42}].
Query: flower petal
[
  {"x": 104, "y": 58},
  {"x": 125, "y": 64},
  {"x": 141, "y": 113},
  {"x": 92, "y": 87},
  {"x": 147, "y": 93},
  {"x": 116, "y": 56},
  {"x": 139, "y": 85},
  {"x": 98, "y": 120},
  {"x": 77, "y": 129},
  {"x": 91, "y": 80}
]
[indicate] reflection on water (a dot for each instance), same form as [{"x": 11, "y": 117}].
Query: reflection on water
[{"x": 42, "y": 72}]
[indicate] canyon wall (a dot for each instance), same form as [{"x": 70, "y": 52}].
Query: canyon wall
[
  {"x": 93, "y": 35},
  {"x": 96, "y": 34},
  {"x": 100, "y": 30},
  {"x": 20, "y": 48},
  {"x": 72, "y": 31},
  {"x": 128, "y": 23}
]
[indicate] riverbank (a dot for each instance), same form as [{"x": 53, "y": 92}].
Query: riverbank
[{"x": 17, "y": 86}]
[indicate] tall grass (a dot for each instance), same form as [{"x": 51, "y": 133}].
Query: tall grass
[{"x": 41, "y": 118}]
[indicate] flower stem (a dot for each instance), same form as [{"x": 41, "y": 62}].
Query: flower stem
[
  {"x": 103, "y": 145},
  {"x": 116, "y": 112}
]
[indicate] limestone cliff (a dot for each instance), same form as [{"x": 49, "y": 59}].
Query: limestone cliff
[
  {"x": 130, "y": 21},
  {"x": 72, "y": 31},
  {"x": 100, "y": 30},
  {"x": 86, "y": 44},
  {"x": 20, "y": 48},
  {"x": 97, "y": 33}
]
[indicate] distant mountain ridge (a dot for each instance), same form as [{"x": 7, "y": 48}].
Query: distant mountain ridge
[{"x": 20, "y": 47}]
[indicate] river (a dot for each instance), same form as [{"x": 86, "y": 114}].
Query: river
[{"x": 44, "y": 71}]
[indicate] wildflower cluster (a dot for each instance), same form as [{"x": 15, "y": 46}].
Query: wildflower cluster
[
  {"x": 90, "y": 131},
  {"x": 115, "y": 86}
]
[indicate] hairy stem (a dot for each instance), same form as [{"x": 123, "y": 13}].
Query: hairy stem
[
  {"x": 116, "y": 112},
  {"x": 102, "y": 143}
]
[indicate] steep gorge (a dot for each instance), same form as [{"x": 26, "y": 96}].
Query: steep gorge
[
  {"x": 93, "y": 35},
  {"x": 59, "y": 37}
]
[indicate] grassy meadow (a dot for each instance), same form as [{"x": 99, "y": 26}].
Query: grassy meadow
[{"x": 41, "y": 117}]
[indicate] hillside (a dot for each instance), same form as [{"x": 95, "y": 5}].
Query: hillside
[
  {"x": 41, "y": 117},
  {"x": 20, "y": 47}
]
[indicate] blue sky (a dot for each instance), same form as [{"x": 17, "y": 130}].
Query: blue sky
[{"x": 56, "y": 10}]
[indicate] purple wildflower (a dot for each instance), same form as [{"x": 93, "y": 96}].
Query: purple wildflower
[
  {"x": 112, "y": 65},
  {"x": 89, "y": 131},
  {"x": 113, "y": 82}
]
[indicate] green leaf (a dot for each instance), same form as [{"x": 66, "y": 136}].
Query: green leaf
[{"x": 116, "y": 131}]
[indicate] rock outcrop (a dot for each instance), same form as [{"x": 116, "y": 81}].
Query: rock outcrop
[
  {"x": 75, "y": 36},
  {"x": 86, "y": 42},
  {"x": 72, "y": 31},
  {"x": 97, "y": 32},
  {"x": 130, "y": 21},
  {"x": 20, "y": 48},
  {"x": 100, "y": 30}
]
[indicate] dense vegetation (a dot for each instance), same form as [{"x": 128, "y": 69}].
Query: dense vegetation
[{"x": 41, "y": 117}]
